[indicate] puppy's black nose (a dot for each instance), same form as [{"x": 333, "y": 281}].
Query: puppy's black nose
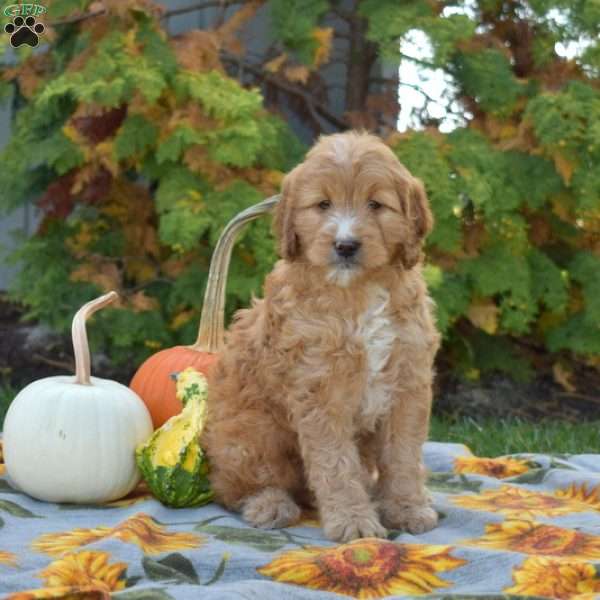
[{"x": 347, "y": 248}]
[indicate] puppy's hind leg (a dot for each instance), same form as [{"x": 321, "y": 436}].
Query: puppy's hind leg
[
  {"x": 253, "y": 469},
  {"x": 270, "y": 508}
]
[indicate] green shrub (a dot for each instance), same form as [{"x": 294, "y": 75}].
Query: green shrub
[{"x": 138, "y": 148}]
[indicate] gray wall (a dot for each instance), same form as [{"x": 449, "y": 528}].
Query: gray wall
[{"x": 18, "y": 222}]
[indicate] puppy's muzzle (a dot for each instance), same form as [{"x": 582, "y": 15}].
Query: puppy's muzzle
[{"x": 346, "y": 248}]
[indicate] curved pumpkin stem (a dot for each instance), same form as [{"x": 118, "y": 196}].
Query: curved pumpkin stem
[
  {"x": 80, "y": 340},
  {"x": 212, "y": 321}
]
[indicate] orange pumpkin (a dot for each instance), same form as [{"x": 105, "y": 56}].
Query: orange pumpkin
[{"x": 153, "y": 381}]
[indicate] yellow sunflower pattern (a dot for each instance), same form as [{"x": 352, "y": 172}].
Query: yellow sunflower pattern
[
  {"x": 500, "y": 468},
  {"x": 529, "y": 537},
  {"x": 141, "y": 530},
  {"x": 555, "y": 578},
  {"x": 80, "y": 574},
  {"x": 63, "y": 592},
  {"x": 8, "y": 558},
  {"x": 85, "y": 568},
  {"x": 517, "y": 502},
  {"x": 551, "y": 534},
  {"x": 367, "y": 568}
]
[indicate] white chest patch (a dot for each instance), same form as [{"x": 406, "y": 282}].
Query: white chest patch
[
  {"x": 377, "y": 332},
  {"x": 341, "y": 276}
]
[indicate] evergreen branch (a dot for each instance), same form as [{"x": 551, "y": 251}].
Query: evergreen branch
[
  {"x": 384, "y": 80},
  {"x": 421, "y": 91},
  {"x": 315, "y": 108},
  {"x": 78, "y": 18},
  {"x": 220, "y": 20},
  {"x": 132, "y": 290},
  {"x": 447, "y": 107},
  {"x": 418, "y": 61}
]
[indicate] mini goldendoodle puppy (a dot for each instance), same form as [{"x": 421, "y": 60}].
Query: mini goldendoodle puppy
[{"x": 323, "y": 392}]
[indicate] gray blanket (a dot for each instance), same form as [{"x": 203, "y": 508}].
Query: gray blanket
[{"x": 526, "y": 526}]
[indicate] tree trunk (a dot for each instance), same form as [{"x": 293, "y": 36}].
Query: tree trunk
[{"x": 361, "y": 57}]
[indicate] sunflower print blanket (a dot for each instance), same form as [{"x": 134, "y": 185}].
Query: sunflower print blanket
[{"x": 525, "y": 526}]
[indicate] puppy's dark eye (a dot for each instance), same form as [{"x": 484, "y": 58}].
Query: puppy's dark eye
[
  {"x": 374, "y": 205},
  {"x": 324, "y": 204}
]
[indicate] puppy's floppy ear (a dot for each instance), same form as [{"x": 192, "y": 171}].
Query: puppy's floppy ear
[
  {"x": 283, "y": 222},
  {"x": 416, "y": 209}
]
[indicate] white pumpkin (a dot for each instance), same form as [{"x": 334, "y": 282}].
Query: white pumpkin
[{"x": 73, "y": 439}]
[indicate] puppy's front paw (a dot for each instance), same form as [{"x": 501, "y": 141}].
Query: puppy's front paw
[
  {"x": 271, "y": 508},
  {"x": 344, "y": 528},
  {"x": 416, "y": 518}
]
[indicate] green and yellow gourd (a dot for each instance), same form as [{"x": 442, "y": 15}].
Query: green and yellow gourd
[{"x": 172, "y": 461}]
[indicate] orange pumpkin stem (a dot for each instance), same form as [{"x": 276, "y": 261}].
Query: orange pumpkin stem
[
  {"x": 80, "y": 340},
  {"x": 212, "y": 321}
]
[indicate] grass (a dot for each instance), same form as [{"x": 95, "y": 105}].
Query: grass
[
  {"x": 6, "y": 396},
  {"x": 484, "y": 438},
  {"x": 497, "y": 437}
]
